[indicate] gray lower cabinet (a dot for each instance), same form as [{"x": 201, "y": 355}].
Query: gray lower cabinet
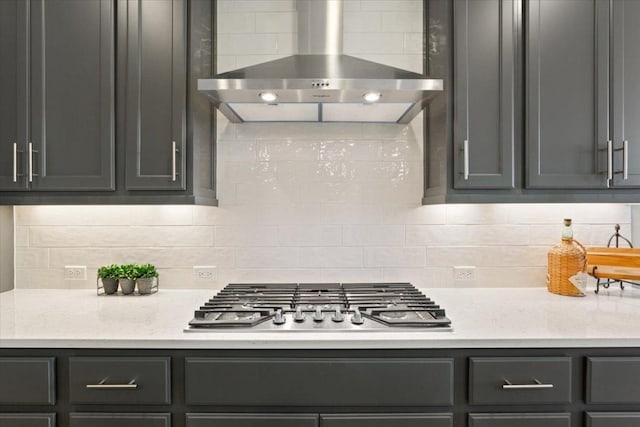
[
  {"x": 613, "y": 419},
  {"x": 252, "y": 420},
  {"x": 332, "y": 382},
  {"x": 519, "y": 380},
  {"x": 120, "y": 380},
  {"x": 520, "y": 420},
  {"x": 155, "y": 99},
  {"x": 27, "y": 420},
  {"x": 57, "y": 95},
  {"x": 612, "y": 380},
  {"x": 486, "y": 46},
  {"x": 119, "y": 420},
  {"x": 386, "y": 420},
  {"x": 27, "y": 381},
  {"x": 567, "y": 93}
]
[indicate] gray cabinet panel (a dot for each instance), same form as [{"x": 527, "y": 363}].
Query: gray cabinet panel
[
  {"x": 13, "y": 93},
  {"x": 612, "y": 419},
  {"x": 520, "y": 420},
  {"x": 387, "y": 420},
  {"x": 567, "y": 92},
  {"x": 488, "y": 375},
  {"x": 155, "y": 115},
  {"x": 252, "y": 420},
  {"x": 72, "y": 94},
  {"x": 625, "y": 102},
  {"x": 485, "y": 69},
  {"x": 27, "y": 381},
  {"x": 119, "y": 420},
  {"x": 613, "y": 380},
  {"x": 326, "y": 382},
  {"x": 28, "y": 420},
  {"x": 152, "y": 375}
]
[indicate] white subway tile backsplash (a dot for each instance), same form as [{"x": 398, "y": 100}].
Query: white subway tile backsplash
[
  {"x": 373, "y": 235},
  {"x": 311, "y": 202}
]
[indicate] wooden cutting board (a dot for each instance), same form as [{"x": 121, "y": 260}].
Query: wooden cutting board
[{"x": 614, "y": 263}]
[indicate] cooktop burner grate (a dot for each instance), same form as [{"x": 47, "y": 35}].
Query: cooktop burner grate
[{"x": 319, "y": 306}]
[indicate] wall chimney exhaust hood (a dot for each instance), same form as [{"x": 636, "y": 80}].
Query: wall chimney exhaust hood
[{"x": 320, "y": 84}]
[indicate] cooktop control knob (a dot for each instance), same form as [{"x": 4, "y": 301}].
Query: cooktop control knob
[
  {"x": 278, "y": 319},
  {"x": 318, "y": 316},
  {"x": 299, "y": 316},
  {"x": 337, "y": 316},
  {"x": 357, "y": 319}
]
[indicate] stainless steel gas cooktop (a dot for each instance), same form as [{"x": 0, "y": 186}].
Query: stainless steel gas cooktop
[{"x": 319, "y": 307}]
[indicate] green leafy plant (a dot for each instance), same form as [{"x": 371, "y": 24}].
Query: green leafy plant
[
  {"x": 129, "y": 271},
  {"x": 112, "y": 271},
  {"x": 146, "y": 271}
]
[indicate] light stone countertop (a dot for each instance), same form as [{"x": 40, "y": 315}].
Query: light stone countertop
[{"x": 481, "y": 318}]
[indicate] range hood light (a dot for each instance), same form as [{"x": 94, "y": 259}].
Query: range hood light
[
  {"x": 268, "y": 96},
  {"x": 372, "y": 96}
]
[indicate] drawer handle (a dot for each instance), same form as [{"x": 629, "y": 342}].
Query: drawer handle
[
  {"x": 509, "y": 386},
  {"x": 131, "y": 385}
]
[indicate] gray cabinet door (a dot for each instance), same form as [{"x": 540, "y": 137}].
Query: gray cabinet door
[
  {"x": 520, "y": 420},
  {"x": 625, "y": 96},
  {"x": 567, "y": 92},
  {"x": 27, "y": 381},
  {"x": 613, "y": 419},
  {"x": 252, "y": 420},
  {"x": 612, "y": 380},
  {"x": 485, "y": 70},
  {"x": 13, "y": 93},
  {"x": 28, "y": 420},
  {"x": 72, "y": 95},
  {"x": 386, "y": 420},
  {"x": 155, "y": 111},
  {"x": 119, "y": 420}
]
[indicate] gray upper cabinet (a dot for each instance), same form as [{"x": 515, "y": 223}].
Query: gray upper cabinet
[
  {"x": 13, "y": 93},
  {"x": 484, "y": 87},
  {"x": 567, "y": 93},
  {"x": 155, "y": 110},
  {"x": 72, "y": 74},
  {"x": 625, "y": 97}
]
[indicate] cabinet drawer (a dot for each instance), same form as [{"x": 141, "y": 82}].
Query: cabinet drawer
[
  {"x": 617, "y": 419},
  {"x": 119, "y": 420},
  {"x": 387, "y": 420},
  {"x": 122, "y": 380},
  {"x": 520, "y": 420},
  {"x": 28, "y": 420},
  {"x": 252, "y": 420},
  {"x": 27, "y": 381},
  {"x": 519, "y": 380},
  {"x": 319, "y": 382},
  {"x": 613, "y": 380}
]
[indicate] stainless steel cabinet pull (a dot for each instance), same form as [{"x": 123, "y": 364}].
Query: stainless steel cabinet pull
[
  {"x": 15, "y": 162},
  {"x": 609, "y": 160},
  {"x": 465, "y": 150},
  {"x": 174, "y": 150},
  {"x": 625, "y": 159},
  {"x": 30, "y": 162},
  {"x": 537, "y": 384},
  {"x": 131, "y": 385}
]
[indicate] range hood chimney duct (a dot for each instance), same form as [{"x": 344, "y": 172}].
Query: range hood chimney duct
[
  {"x": 320, "y": 83},
  {"x": 320, "y": 27}
]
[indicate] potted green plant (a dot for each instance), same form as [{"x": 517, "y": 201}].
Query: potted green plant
[
  {"x": 146, "y": 278},
  {"x": 109, "y": 275},
  {"x": 128, "y": 274}
]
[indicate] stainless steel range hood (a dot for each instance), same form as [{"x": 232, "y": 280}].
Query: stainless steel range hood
[{"x": 320, "y": 84}]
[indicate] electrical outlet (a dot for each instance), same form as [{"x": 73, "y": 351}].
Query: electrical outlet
[
  {"x": 75, "y": 272},
  {"x": 464, "y": 273},
  {"x": 204, "y": 273}
]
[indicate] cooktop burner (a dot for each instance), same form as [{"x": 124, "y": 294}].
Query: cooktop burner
[{"x": 319, "y": 306}]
